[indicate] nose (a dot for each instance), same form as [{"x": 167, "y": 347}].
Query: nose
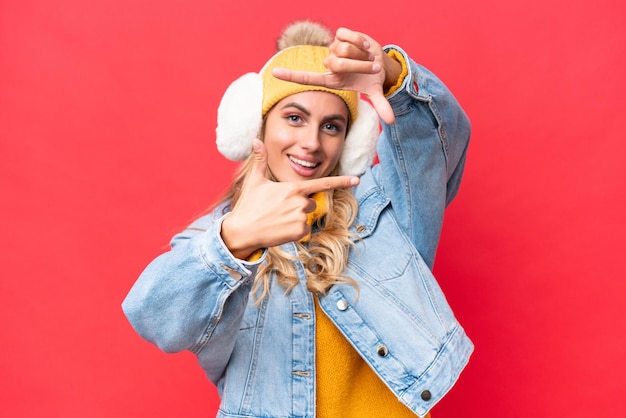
[{"x": 310, "y": 139}]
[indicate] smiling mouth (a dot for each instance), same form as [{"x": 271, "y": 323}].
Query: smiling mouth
[{"x": 307, "y": 164}]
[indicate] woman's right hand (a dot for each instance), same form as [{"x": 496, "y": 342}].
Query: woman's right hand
[{"x": 270, "y": 213}]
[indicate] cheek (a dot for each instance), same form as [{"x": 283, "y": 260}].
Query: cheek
[
  {"x": 275, "y": 141},
  {"x": 334, "y": 150}
]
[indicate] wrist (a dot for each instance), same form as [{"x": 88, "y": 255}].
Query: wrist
[
  {"x": 236, "y": 239},
  {"x": 393, "y": 70},
  {"x": 398, "y": 70}
]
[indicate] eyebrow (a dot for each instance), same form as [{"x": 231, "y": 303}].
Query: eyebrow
[
  {"x": 306, "y": 112},
  {"x": 297, "y": 106}
]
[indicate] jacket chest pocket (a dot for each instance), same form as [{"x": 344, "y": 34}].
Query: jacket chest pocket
[
  {"x": 253, "y": 315},
  {"x": 385, "y": 253}
]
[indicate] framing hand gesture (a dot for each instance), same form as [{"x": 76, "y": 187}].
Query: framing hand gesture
[{"x": 356, "y": 62}]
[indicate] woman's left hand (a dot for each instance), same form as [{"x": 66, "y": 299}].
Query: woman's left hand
[{"x": 356, "y": 62}]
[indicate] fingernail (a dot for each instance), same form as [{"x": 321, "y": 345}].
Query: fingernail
[{"x": 354, "y": 181}]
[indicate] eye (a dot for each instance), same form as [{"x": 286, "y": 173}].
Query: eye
[
  {"x": 331, "y": 127},
  {"x": 294, "y": 118}
]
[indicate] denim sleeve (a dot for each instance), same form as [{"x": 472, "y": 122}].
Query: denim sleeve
[
  {"x": 193, "y": 297},
  {"x": 422, "y": 155}
]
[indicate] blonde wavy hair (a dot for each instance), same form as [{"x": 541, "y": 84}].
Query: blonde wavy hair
[{"x": 324, "y": 257}]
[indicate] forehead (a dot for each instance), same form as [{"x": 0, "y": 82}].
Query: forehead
[{"x": 316, "y": 102}]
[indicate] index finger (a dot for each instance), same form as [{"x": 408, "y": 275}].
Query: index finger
[
  {"x": 309, "y": 187},
  {"x": 300, "y": 77}
]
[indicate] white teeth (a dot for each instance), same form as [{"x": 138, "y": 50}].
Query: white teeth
[{"x": 303, "y": 163}]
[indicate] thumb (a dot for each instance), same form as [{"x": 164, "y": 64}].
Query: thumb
[
  {"x": 382, "y": 107},
  {"x": 259, "y": 160}
]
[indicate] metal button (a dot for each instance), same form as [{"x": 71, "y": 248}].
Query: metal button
[
  {"x": 342, "y": 305},
  {"x": 382, "y": 351},
  {"x": 426, "y": 395}
]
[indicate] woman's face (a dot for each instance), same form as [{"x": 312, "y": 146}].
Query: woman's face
[{"x": 304, "y": 135}]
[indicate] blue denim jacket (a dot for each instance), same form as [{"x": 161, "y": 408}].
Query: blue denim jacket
[{"x": 262, "y": 358}]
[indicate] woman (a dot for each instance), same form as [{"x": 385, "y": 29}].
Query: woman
[{"x": 307, "y": 291}]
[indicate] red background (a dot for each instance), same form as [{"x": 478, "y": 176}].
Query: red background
[{"x": 107, "y": 118}]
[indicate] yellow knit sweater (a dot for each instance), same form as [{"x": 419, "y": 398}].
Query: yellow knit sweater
[{"x": 346, "y": 385}]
